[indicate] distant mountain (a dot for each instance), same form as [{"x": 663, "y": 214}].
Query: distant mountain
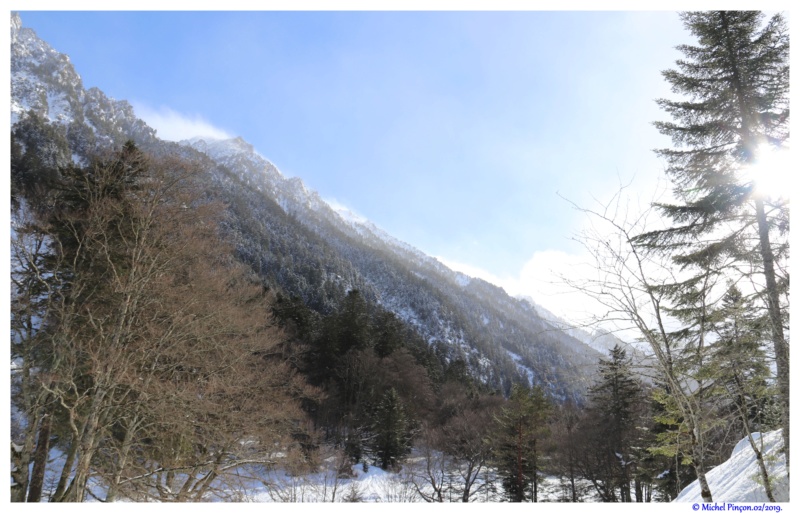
[
  {"x": 301, "y": 244},
  {"x": 598, "y": 338}
]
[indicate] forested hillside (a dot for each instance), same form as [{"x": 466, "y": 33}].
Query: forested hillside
[{"x": 186, "y": 320}]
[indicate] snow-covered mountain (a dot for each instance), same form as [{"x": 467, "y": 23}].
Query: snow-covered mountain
[
  {"x": 387, "y": 265},
  {"x": 306, "y": 247},
  {"x": 292, "y": 194},
  {"x": 599, "y": 339},
  {"x": 44, "y": 81}
]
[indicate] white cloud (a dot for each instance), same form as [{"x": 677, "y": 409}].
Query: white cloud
[
  {"x": 543, "y": 279},
  {"x": 174, "y": 126},
  {"x": 546, "y": 276},
  {"x": 347, "y": 213},
  {"x": 473, "y": 271},
  {"x": 540, "y": 279}
]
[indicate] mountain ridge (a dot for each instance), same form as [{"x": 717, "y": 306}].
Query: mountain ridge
[{"x": 293, "y": 237}]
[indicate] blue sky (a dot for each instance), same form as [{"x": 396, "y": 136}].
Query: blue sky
[{"x": 453, "y": 131}]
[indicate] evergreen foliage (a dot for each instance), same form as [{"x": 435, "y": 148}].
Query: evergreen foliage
[
  {"x": 392, "y": 431},
  {"x": 739, "y": 363},
  {"x": 616, "y": 407},
  {"x": 38, "y": 150},
  {"x": 734, "y": 109},
  {"x": 668, "y": 448},
  {"x": 521, "y": 427}
]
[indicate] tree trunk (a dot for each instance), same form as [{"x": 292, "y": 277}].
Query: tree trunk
[
  {"x": 625, "y": 486},
  {"x": 762, "y": 469},
  {"x": 113, "y": 486},
  {"x": 572, "y": 484},
  {"x": 520, "y": 492},
  {"x": 535, "y": 475},
  {"x": 40, "y": 460},
  {"x": 21, "y": 455},
  {"x": 20, "y": 461},
  {"x": 705, "y": 491},
  {"x": 638, "y": 489},
  {"x": 698, "y": 461},
  {"x": 774, "y": 308},
  {"x": 87, "y": 446},
  {"x": 468, "y": 480},
  {"x": 61, "y": 488}
]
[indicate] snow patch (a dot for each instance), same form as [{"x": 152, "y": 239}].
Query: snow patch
[
  {"x": 738, "y": 479},
  {"x": 462, "y": 279},
  {"x": 523, "y": 369}
]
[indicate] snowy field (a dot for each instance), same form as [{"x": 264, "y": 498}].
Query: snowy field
[
  {"x": 372, "y": 484},
  {"x": 736, "y": 480}
]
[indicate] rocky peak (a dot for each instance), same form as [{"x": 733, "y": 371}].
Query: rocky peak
[
  {"x": 45, "y": 81},
  {"x": 16, "y": 25},
  {"x": 242, "y": 145}
]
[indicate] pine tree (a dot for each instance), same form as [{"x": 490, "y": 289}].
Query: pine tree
[
  {"x": 392, "y": 431},
  {"x": 616, "y": 398},
  {"x": 520, "y": 428},
  {"x": 694, "y": 413},
  {"x": 354, "y": 323},
  {"x": 736, "y": 85},
  {"x": 668, "y": 449},
  {"x": 388, "y": 334},
  {"x": 738, "y": 361},
  {"x": 739, "y": 365},
  {"x": 348, "y": 329},
  {"x": 616, "y": 393},
  {"x": 566, "y": 450}
]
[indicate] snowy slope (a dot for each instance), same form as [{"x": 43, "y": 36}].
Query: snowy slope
[
  {"x": 316, "y": 248},
  {"x": 413, "y": 285},
  {"x": 44, "y": 81},
  {"x": 737, "y": 480}
]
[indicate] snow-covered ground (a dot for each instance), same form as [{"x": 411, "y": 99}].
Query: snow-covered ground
[
  {"x": 365, "y": 484},
  {"x": 738, "y": 479}
]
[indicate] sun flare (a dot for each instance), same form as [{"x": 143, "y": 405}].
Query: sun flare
[{"x": 770, "y": 172}]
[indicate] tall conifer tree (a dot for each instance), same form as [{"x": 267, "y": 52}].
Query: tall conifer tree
[
  {"x": 616, "y": 398},
  {"x": 392, "y": 431},
  {"x": 735, "y": 108},
  {"x": 520, "y": 427}
]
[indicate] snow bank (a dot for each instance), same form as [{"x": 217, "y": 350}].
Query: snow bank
[{"x": 738, "y": 479}]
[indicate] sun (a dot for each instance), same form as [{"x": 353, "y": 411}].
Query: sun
[{"x": 771, "y": 171}]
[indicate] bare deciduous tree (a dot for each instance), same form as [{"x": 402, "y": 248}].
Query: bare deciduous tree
[
  {"x": 631, "y": 287},
  {"x": 160, "y": 350}
]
